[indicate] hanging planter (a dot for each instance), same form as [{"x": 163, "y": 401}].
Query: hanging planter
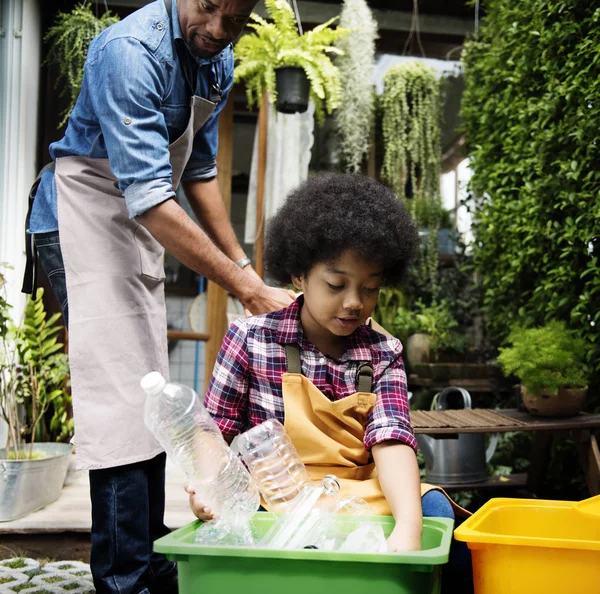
[
  {"x": 278, "y": 45},
  {"x": 355, "y": 117},
  {"x": 411, "y": 124},
  {"x": 69, "y": 40},
  {"x": 293, "y": 89}
]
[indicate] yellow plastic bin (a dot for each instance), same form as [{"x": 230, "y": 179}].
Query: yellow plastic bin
[
  {"x": 528, "y": 546},
  {"x": 245, "y": 570}
]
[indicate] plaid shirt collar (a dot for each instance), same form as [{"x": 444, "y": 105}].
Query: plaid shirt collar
[{"x": 289, "y": 331}]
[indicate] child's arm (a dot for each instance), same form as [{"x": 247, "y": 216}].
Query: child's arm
[
  {"x": 390, "y": 437},
  {"x": 399, "y": 478}
]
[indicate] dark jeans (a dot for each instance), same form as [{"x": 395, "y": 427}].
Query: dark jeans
[
  {"x": 128, "y": 502},
  {"x": 51, "y": 260}
]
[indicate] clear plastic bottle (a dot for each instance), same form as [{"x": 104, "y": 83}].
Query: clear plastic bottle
[
  {"x": 191, "y": 438},
  {"x": 274, "y": 463}
]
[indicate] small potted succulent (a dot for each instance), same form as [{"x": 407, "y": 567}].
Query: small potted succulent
[
  {"x": 550, "y": 363},
  {"x": 289, "y": 66}
]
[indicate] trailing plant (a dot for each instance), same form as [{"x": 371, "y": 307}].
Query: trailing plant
[
  {"x": 355, "y": 116},
  {"x": 278, "y": 43},
  {"x": 69, "y": 40},
  {"x": 531, "y": 110},
  {"x": 33, "y": 377},
  {"x": 546, "y": 359},
  {"x": 411, "y": 126}
]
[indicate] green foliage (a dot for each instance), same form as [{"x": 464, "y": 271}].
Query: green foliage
[
  {"x": 411, "y": 124},
  {"x": 355, "y": 116},
  {"x": 278, "y": 43},
  {"x": 388, "y": 304},
  {"x": 69, "y": 39},
  {"x": 437, "y": 321},
  {"x": 531, "y": 111},
  {"x": 546, "y": 359},
  {"x": 33, "y": 379}
]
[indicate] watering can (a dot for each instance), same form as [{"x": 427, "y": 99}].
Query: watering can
[{"x": 457, "y": 460}]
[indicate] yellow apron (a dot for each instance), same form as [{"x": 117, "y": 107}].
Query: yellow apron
[{"x": 329, "y": 434}]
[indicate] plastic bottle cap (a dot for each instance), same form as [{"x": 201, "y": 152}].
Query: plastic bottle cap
[{"x": 153, "y": 382}]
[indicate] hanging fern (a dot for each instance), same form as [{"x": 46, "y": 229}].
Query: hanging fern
[
  {"x": 69, "y": 39},
  {"x": 278, "y": 43},
  {"x": 412, "y": 138},
  {"x": 354, "y": 118}
]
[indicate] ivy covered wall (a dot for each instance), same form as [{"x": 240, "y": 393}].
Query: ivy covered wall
[{"x": 531, "y": 113}]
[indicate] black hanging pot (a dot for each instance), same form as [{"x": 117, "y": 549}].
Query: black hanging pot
[{"x": 292, "y": 88}]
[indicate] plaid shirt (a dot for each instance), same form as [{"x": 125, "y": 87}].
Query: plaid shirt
[{"x": 246, "y": 386}]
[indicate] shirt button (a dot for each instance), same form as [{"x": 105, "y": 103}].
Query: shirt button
[
  {"x": 160, "y": 26},
  {"x": 322, "y": 360},
  {"x": 127, "y": 121}
]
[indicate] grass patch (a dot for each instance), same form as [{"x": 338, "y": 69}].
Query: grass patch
[
  {"x": 6, "y": 579},
  {"x": 81, "y": 573},
  {"x": 53, "y": 579},
  {"x": 70, "y": 586},
  {"x": 16, "y": 564}
]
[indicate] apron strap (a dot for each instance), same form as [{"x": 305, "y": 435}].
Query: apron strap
[
  {"x": 30, "y": 274},
  {"x": 292, "y": 354},
  {"x": 364, "y": 374},
  {"x": 364, "y": 378}
]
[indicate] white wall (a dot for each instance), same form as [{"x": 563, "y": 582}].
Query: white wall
[
  {"x": 19, "y": 84},
  {"x": 20, "y": 42}
]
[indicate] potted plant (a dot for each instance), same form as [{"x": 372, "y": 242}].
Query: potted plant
[
  {"x": 551, "y": 366},
  {"x": 355, "y": 116},
  {"x": 33, "y": 403},
  {"x": 69, "y": 39},
  {"x": 288, "y": 66}
]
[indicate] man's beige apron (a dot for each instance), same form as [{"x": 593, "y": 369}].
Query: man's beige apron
[
  {"x": 329, "y": 436},
  {"x": 117, "y": 317}
]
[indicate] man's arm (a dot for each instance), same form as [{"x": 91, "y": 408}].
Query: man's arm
[
  {"x": 206, "y": 202},
  {"x": 181, "y": 237}
]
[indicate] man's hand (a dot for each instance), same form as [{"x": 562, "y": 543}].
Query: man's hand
[
  {"x": 266, "y": 299},
  {"x": 404, "y": 538},
  {"x": 201, "y": 511}
]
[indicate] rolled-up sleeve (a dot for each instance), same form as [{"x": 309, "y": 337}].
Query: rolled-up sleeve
[
  {"x": 227, "y": 395},
  {"x": 126, "y": 85},
  {"x": 203, "y": 160},
  {"x": 390, "y": 417}
]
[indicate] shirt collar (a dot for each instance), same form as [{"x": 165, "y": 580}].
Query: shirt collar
[
  {"x": 178, "y": 34},
  {"x": 289, "y": 331}
]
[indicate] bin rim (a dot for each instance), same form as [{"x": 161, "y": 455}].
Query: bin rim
[
  {"x": 175, "y": 544},
  {"x": 469, "y": 531}
]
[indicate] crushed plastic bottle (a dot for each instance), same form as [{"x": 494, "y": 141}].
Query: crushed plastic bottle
[
  {"x": 191, "y": 438},
  {"x": 274, "y": 463}
]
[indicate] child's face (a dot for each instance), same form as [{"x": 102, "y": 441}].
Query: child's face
[{"x": 339, "y": 296}]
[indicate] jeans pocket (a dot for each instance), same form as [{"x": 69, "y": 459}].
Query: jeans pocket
[{"x": 151, "y": 254}]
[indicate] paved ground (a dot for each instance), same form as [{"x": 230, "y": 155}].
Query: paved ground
[{"x": 52, "y": 578}]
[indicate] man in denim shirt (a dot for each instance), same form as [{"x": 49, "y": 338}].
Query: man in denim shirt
[{"x": 100, "y": 219}]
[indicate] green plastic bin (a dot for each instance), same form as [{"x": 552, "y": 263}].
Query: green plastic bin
[{"x": 249, "y": 570}]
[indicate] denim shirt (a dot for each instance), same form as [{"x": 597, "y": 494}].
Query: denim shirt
[{"x": 134, "y": 102}]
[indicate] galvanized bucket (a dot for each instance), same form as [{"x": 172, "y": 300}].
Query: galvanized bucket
[{"x": 29, "y": 485}]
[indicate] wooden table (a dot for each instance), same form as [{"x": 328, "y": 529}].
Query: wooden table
[{"x": 579, "y": 428}]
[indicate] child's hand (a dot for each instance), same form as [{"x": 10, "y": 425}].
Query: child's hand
[
  {"x": 201, "y": 511},
  {"x": 403, "y": 539}
]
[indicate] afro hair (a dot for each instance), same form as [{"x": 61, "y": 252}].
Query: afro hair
[{"x": 331, "y": 213}]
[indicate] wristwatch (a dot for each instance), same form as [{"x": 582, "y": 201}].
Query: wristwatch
[{"x": 243, "y": 262}]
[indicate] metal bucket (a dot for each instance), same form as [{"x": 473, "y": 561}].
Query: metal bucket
[{"x": 29, "y": 485}]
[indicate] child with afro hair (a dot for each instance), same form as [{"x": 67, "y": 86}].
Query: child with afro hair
[{"x": 338, "y": 239}]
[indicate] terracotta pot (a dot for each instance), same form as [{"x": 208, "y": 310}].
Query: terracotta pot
[
  {"x": 417, "y": 348},
  {"x": 567, "y": 403}
]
